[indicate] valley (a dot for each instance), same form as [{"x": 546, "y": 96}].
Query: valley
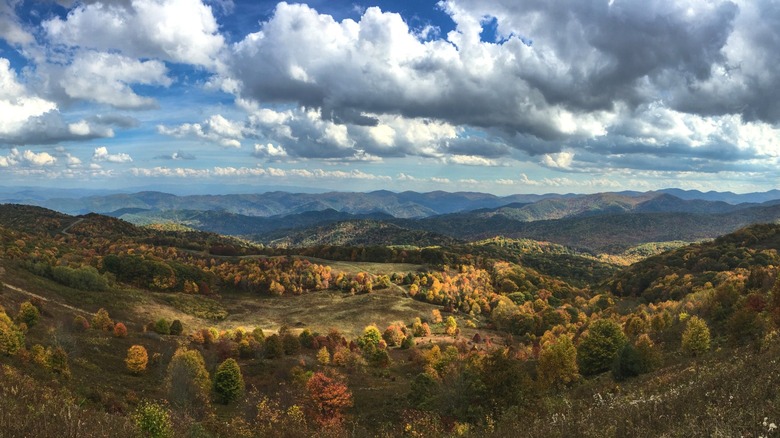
[{"x": 579, "y": 325}]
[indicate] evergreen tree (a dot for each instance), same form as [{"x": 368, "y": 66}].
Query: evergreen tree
[{"x": 228, "y": 382}]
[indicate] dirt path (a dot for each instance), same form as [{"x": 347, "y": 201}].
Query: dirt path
[
  {"x": 65, "y": 230},
  {"x": 44, "y": 299}
]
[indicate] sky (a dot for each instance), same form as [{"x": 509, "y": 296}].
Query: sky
[{"x": 498, "y": 96}]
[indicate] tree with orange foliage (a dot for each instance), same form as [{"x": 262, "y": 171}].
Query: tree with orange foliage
[
  {"x": 120, "y": 330},
  {"x": 137, "y": 358},
  {"x": 327, "y": 399}
]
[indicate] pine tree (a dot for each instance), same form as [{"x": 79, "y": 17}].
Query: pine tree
[{"x": 228, "y": 382}]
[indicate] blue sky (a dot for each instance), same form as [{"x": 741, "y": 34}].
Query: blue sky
[{"x": 500, "y": 96}]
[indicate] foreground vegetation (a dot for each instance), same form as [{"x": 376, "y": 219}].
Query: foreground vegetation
[{"x": 111, "y": 330}]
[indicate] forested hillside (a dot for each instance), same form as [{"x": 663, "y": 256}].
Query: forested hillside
[{"x": 107, "y": 328}]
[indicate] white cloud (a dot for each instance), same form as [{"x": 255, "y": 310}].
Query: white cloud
[
  {"x": 561, "y": 160},
  {"x": 27, "y": 158},
  {"x": 101, "y": 155},
  {"x": 107, "y": 78},
  {"x": 269, "y": 151},
  {"x": 17, "y": 105},
  {"x": 183, "y": 31},
  {"x": 470, "y": 160},
  {"x": 216, "y": 129}
]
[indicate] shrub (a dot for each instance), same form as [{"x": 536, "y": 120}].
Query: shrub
[
  {"x": 393, "y": 335},
  {"x": 176, "y": 327},
  {"x": 408, "y": 342},
  {"x": 162, "y": 326},
  {"x": 58, "y": 361},
  {"x": 371, "y": 337},
  {"x": 120, "y": 330},
  {"x": 136, "y": 359},
  {"x": 228, "y": 382},
  {"x": 153, "y": 421},
  {"x": 101, "y": 320},
  {"x": 28, "y": 314},
  {"x": 80, "y": 323},
  {"x": 258, "y": 334},
  {"x": 600, "y": 346}
]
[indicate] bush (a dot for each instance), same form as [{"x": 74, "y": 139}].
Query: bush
[
  {"x": 162, "y": 326},
  {"x": 58, "y": 362},
  {"x": 306, "y": 338},
  {"x": 153, "y": 421},
  {"x": 28, "y": 314},
  {"x": 136, "y": 359},
  {"x": 228, "y": 382},
  {"x": 120, "y": 330},
  {"x": 176, "y": 327},
  {"x": 101, "y": 320},
  {"x": 80, "y": 323},
  {"x": 323, "y": 356}
]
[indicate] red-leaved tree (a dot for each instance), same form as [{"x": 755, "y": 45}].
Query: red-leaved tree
[{"x": 327, "y": 399}]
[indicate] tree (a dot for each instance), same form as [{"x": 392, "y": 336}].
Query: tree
[
  {"x": 228, "y": 382},
  {"x": 436, "y": 316},
  {"x": 28, "y": 314},
  {"x": 371, "y": 337},
  {"x": 557, "y": 364},
  {"x": 327, "y": 399},
  {"x": 273, "y": 347},
  {"x": 101, "y": 321},
  {"x": 696, "y": 337},
  {"x": 323, "y": 356},
  {"x": 58, "y": 361},
  {"x": 136, "y": 359},
  {"x": 11, "y": 338},
  {"x": 120, "y": 330},
  {"x": 153, "y": 421},
  {"x": 600, "y": 346},
  {"x": 451, "y": 326},
  {"x": 80, "y": 323},
  {"x": 177, "y": 328},
  {"x": 291, "y": 344},
  {"x": 187, "y": 380}
]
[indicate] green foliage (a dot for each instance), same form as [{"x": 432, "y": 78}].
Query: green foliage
[
  {"x": 290, "y": 344},
  {"x": 153, "y": 421},
  {"x": 58, "y": 361},
  {"x": 370, "y": 338},
  {"x": 84, "y": 278},
  {"x": 557, "y": 365},
  {"x": 600, "y": 346},
  {"x": 450, "y": 325},
  {"x": 11, "y": 338},
  {"x": 80, "y": 323},
  {"x": 696, "y": 337},
  {"x": 228, "y": 382},
  {"x": 162, "y": 326},
  {"x": 102, "y": 321},
  {"x": 187, "y": 380},
  {"x": 176, "y": 327},
  {"x": 634, "y": 360},
  {"x": 28, "y": 314},
  {"x": 273, "y": 347},
  {"x": 306, "y": 338}
]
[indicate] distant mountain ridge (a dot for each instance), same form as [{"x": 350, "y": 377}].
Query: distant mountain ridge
[{"x": 413, "y": 204}]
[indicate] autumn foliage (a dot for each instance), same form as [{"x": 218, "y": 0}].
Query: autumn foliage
[{"x": 328, "y": 398}]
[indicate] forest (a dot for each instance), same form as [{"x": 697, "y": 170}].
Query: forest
[{"x": 108, "y": 329}]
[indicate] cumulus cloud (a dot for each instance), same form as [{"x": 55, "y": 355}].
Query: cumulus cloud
[
  {"x": 182, "y": 31},
  {"x": 101, "y": 155},
  {"x": 27, "y": 158},
  {"x": 269, "y": 151},
  {"x": 106, "y": 78},
  {"x": 216, "y": 129}
]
